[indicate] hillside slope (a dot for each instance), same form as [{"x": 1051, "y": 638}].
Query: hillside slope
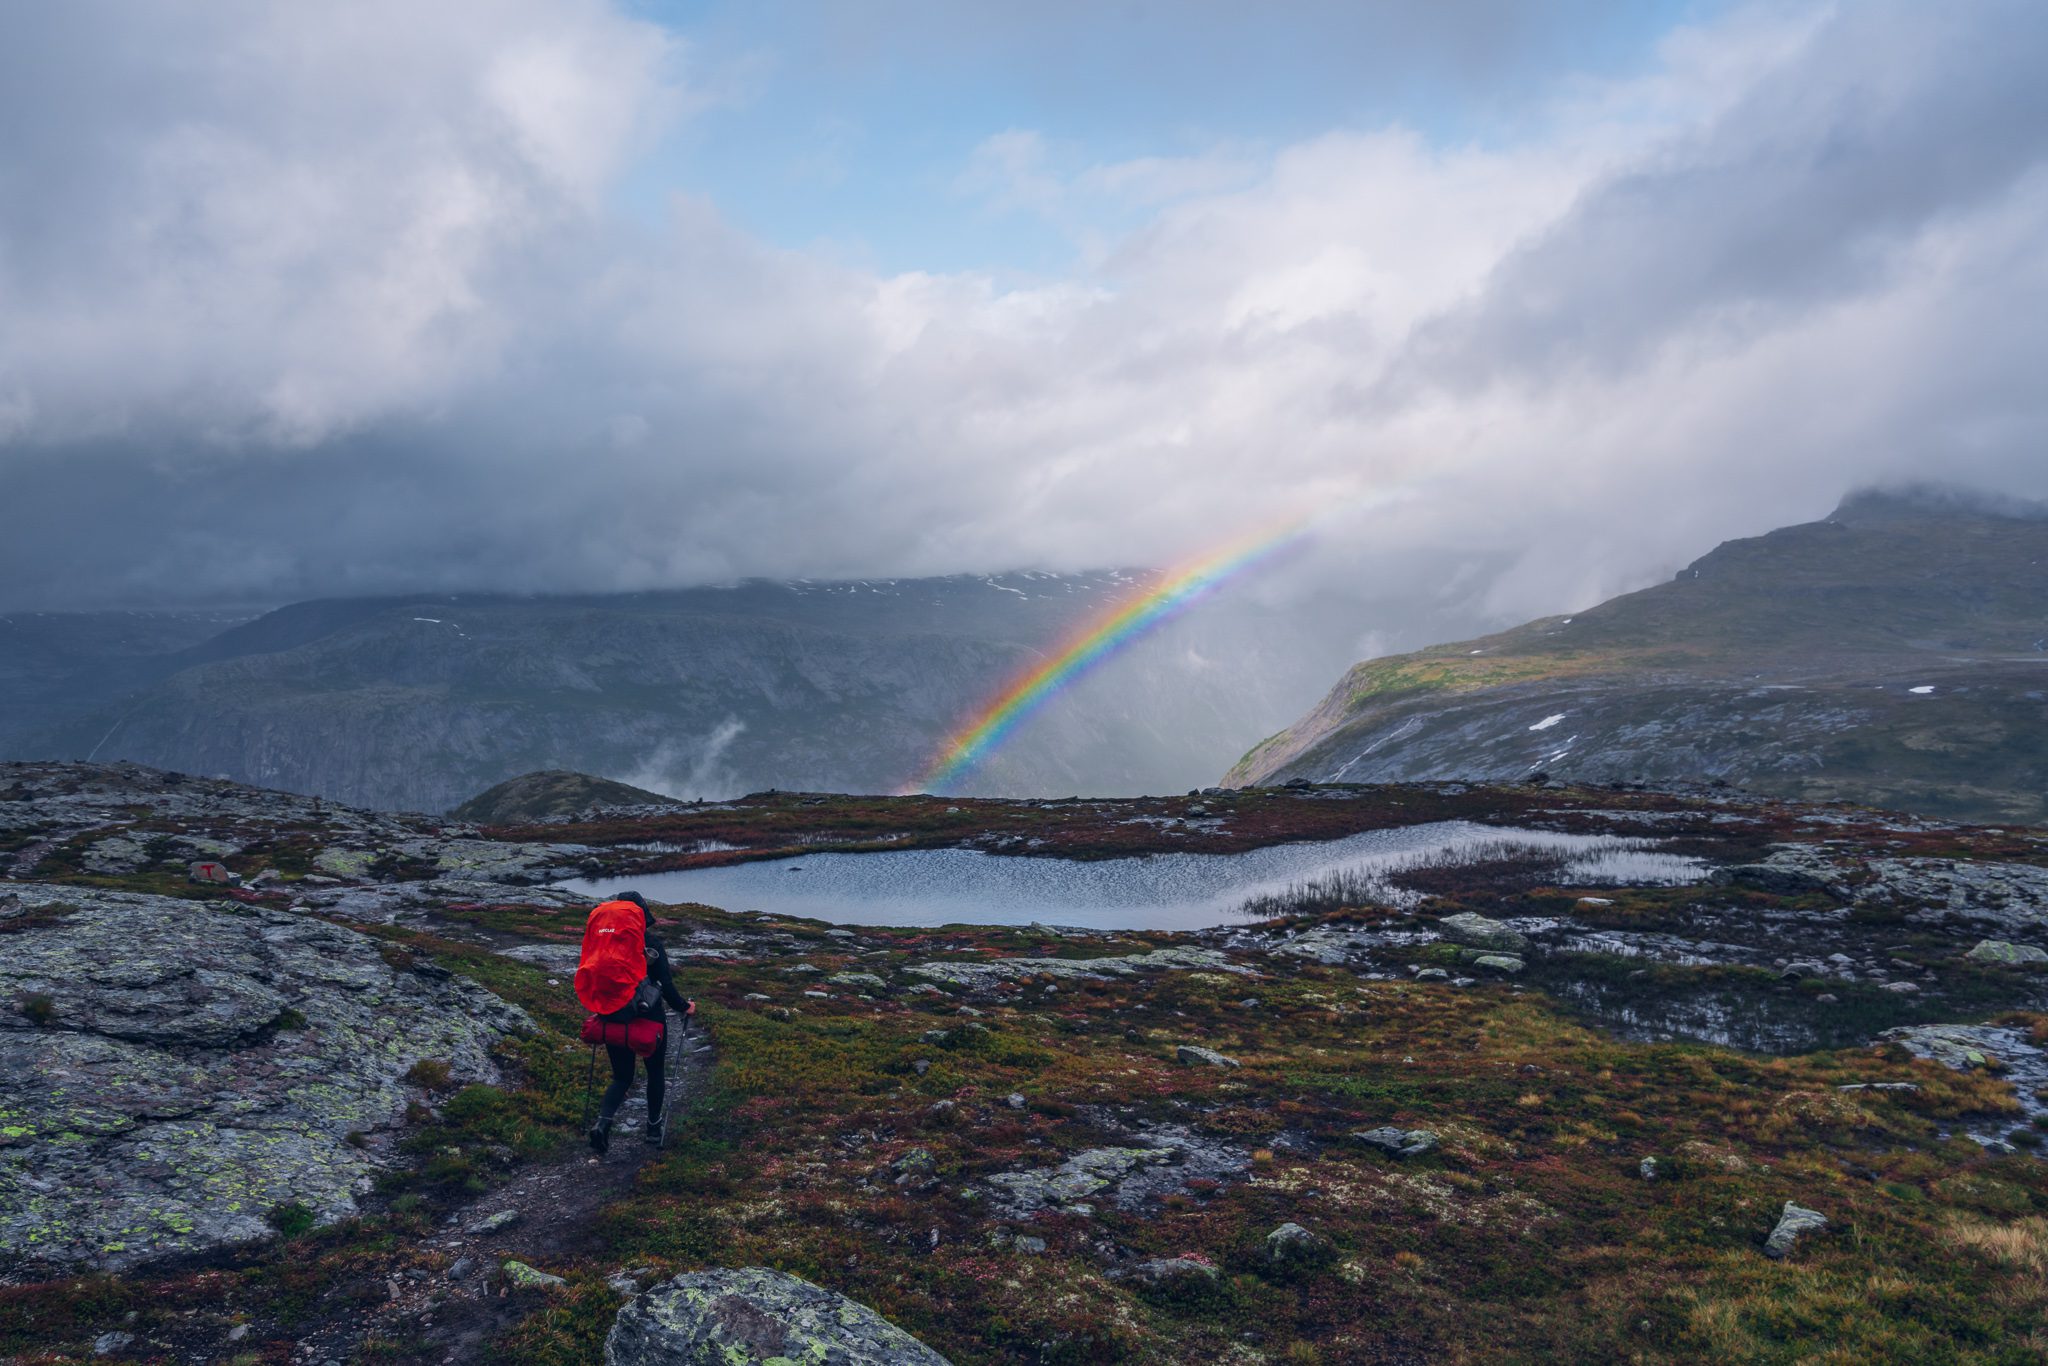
[
  {"x": 550, "y": 794},
  {"x": 1894, "y": 654}
]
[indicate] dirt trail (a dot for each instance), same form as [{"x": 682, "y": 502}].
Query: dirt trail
[{"x": 452, "y": 1314}]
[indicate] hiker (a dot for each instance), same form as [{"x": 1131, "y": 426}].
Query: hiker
[{"x": 626, "y": 981}]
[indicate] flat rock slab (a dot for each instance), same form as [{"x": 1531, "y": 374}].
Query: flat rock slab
[
  {"x": 755, "y": 1317},
  {"x": 191, "y": 1066},
  {"x": 987, "y": 973},
  {"x": 1132, "y": 1177}
]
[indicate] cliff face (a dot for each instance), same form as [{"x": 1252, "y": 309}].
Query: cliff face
[
  {"x": 1894, "y": 654},
  {"x": 418, "y": 704}
]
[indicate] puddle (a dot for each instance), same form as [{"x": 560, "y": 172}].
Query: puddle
[{"x": 1161, "y": 892}]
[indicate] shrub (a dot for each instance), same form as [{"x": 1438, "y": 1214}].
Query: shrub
[
  {"x": 292, "y": 1218},
  {"x": 429, "y": 1074},
  {"x": 39, "y": 1009}
]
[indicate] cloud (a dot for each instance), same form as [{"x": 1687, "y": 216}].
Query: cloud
[{"x": 300, "y": 302}]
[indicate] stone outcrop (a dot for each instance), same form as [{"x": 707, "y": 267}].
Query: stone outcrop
[
  {"x": 2011, "y": 895},
  {"x": 755, "y": 1317},
  {"x": 1794, "y": 1223},
  {"x": 175, "y": 1071},
  {"x": 1476, "y": 931},
  {"x": 1399, "y": 1142}
]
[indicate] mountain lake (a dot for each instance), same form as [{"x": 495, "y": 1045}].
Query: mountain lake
[{"x": 1156, "y": 892}]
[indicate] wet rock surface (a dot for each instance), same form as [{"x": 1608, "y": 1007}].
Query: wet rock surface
[
  {"x": 192, "y": 1066},
  {"x": 2009, "y": 1053},
  {"x": 984, "y": 975},
  {"x": 755, "y": 1317}
]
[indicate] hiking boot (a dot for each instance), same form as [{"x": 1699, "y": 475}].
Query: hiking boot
[
  {"x": 601, "y": 1136},
  {"x": 651, "y": 1135}
]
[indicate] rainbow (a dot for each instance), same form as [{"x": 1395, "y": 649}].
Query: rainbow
[{"x": 1099, "y": 640}]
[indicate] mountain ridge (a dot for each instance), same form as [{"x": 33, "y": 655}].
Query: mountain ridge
[{"x": 1803, "y": 662}]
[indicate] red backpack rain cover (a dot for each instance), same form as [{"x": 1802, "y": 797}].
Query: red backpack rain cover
[{"x": 614, "y": 958}]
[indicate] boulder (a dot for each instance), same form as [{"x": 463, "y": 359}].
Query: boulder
[
  {"x": 200, "y": 1065},
  {"x": 1794, "y": 1223},
  {"x": 1476, "y": 931},
  {"x": 1291, "y": 1244},
  {"x": 1195, "y": 1056},
  {"x": 752, "y": 1317},
  {"x": 2000, "y": 951},
  {"x": 1503, "y": 963},
  {"x": 1399, "y": 1142}
]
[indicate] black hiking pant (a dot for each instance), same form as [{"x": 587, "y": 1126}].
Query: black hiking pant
[{"x": 621, "y": 1059}]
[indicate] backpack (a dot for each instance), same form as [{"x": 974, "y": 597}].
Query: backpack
[{"x": 611, "y": 975}]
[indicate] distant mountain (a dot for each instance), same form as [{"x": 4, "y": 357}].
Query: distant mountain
[
  {"x": 1895, "y": 654},
  {"x": 69, "y": 661},
  {"x": 419, "y": 703}
]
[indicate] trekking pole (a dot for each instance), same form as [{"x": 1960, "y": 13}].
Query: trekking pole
[{"x": 668, "y": 1095}]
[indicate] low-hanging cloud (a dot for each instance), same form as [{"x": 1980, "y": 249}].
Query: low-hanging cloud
[{"x": 298, "y": 301}]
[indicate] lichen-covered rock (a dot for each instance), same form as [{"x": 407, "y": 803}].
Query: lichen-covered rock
[
  {"x": 1196, "y": 1056},
  {"x": 2000, "y": 951},
  {"x": 1291, "y": 1244},
  {"x": 1504, "y": 963},
  {"x": 115, "y": 855},
  {"x": 1170, "y": 1271},
  {"x": 192, "y": 1066},
  {"x": 1794, "y": 1223},
  {"x": 496, "y": 861},
  {"x": 1478, "y": 932},
  {"x": 755, "y": 1317},
  {"x": 519, "y": 1274}
]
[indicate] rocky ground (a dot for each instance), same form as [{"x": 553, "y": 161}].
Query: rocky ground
[{"x": 1786, "y": 1109}]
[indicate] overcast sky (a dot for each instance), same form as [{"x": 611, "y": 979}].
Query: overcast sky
[{"x": 303, "y": 299}]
